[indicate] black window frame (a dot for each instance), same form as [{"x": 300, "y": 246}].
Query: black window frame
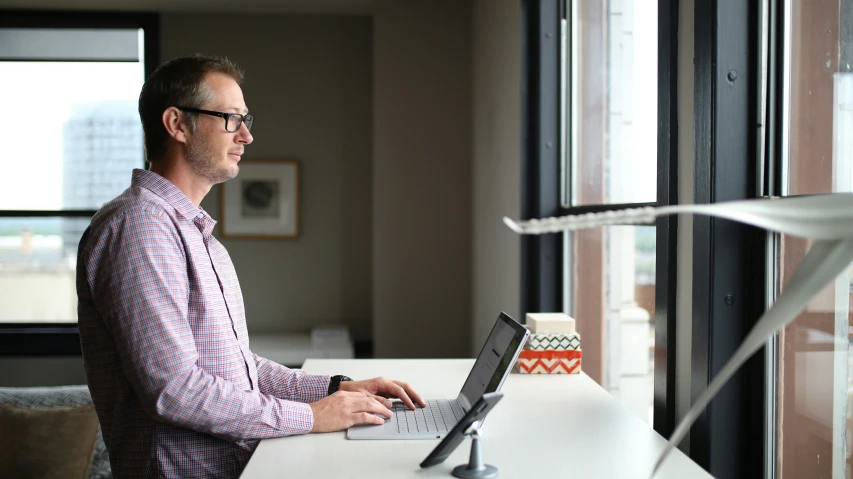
[
  {"x": 62, "y": 339},
  {"x": 729, "y": 258}
]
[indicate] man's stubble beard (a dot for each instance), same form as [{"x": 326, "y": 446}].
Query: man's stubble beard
[{"x": 201, "y": 161}]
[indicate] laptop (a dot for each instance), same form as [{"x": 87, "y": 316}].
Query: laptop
[{"x": 440, "y": 415}]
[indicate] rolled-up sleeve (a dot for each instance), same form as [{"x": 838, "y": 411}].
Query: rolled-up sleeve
[{"x": 142, "y": 292}]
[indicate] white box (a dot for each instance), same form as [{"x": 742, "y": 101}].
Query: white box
[
  {"x": 553, "y": 342},
  {"x": 550, "y": 323}
]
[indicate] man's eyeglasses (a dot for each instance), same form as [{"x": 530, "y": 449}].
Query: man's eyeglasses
[{"x": 232, "y": 120}]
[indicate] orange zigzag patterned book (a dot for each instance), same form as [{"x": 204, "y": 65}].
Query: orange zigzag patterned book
[{"x": 549, "y": 362}]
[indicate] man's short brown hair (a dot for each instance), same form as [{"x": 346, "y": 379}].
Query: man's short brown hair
[{"x": 178, "y": 82}]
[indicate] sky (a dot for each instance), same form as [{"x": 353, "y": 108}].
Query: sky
[{"x": 37, "y": 99}]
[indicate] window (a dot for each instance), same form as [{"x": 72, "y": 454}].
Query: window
[
  {"x": 612, "y": 160},
  {"x": 73, "y": 141},
  {"x": 72, "y": 138},
  {"x": 604, "y": 156}
]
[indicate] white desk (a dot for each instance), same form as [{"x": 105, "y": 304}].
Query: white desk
[{"x": 546, "y": 426}]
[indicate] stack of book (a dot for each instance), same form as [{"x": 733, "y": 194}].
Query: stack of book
[{"x": 554, "y": 347}]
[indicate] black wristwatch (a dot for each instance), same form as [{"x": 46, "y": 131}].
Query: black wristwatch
[{"x": 335, "y": 383}]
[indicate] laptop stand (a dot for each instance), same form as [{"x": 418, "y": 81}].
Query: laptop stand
[{"x": 475, "y": 469}]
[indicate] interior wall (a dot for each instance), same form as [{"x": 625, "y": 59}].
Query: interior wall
[
  {"x": 308, "y": 83},
  {"x": 422, "y": 257},
  {"x": 496, "y": 163}
]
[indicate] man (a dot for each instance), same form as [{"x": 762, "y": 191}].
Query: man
[{"x": 162, "y": 326}]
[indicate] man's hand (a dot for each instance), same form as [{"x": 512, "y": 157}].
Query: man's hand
[
  {"x": 344, "y": 409},
  {"x": 384, "y": 388}
]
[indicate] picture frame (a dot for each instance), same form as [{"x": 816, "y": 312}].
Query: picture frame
[{"x": 262, "y": 201}]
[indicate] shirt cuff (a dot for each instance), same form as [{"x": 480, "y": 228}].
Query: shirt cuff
[{"x": 298, "y": 418}]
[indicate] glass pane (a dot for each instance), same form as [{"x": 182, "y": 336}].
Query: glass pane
[
  {"x": 38, "y": 259},
  {"x": 612, "y": 137},
  {"x": 75, "y": 136},
  {"x": 613, "y": 287},
  {"x": 819, "y": 151},
  {"x": 813, "y": 426},
  {"x": 814, "y": 379}
]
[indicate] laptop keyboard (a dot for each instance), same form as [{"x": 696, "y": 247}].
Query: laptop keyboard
[{"x": 437, "y": 416}]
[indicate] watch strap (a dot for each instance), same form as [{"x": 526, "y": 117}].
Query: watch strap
[{"x": 335, "y": 383}]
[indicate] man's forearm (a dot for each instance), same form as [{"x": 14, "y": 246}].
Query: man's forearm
[
  {"x": 291, "y": 384},
  {"x": 205, "y": 403}
]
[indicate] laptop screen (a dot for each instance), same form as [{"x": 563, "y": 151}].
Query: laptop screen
[{"x": 492, "y": 365}]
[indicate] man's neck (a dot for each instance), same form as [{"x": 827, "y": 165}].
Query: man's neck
[{"x": 181, "y": 176}]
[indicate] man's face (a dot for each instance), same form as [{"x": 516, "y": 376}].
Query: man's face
[{"x": 212, "y": 152}]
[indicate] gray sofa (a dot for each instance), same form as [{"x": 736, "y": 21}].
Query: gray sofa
[{"x": 61, "y": 396}]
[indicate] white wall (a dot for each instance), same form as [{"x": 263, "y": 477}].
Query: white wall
[
  {"x": 496, "y": 163},
  {"x": 422, "y": 178},
  {"x": 308, "y": 82}
]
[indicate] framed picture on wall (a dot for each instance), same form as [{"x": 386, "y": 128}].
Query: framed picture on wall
[{"x": 262, "y": 201}]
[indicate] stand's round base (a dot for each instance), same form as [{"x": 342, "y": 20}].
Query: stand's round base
[{"x": 487, "y": 472}]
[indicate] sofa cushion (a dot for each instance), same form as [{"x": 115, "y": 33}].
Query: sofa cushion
[
  {"x": 56, "y": 442},
  {"x": 43, "y": 397}
]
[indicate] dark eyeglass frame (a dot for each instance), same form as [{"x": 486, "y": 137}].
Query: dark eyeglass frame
[{"x": 246, "y": 119}]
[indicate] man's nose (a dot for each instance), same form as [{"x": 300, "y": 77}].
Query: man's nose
[{"x": 243, "y": 135}]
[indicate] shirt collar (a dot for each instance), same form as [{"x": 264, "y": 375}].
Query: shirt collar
[{"x": 169, "y": 192}]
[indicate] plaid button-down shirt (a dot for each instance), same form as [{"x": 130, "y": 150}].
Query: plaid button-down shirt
[{"x": 163, "y": 330}]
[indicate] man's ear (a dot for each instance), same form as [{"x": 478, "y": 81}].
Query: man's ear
[{"x": 175, "y": 127}]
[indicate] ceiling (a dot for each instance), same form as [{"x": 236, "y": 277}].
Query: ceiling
[{"x": 346, "y": 7}]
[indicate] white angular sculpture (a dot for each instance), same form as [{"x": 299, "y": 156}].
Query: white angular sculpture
[{"x": 827, "y": 219}]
